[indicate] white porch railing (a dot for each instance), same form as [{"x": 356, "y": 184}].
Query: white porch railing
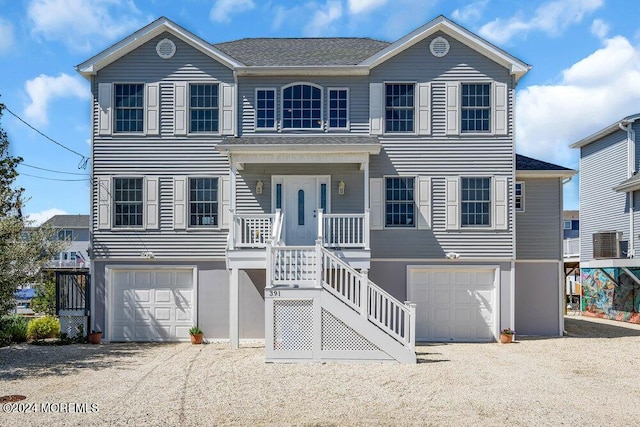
[
  {"x": 292, "y": 266},
  {"x": 344, "y": 230},
  {"x": 571, "y": 247},
  {"x": 252, "y": 230}
]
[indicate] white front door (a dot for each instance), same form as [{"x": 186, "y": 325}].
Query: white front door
[{"x": 300, "y": 210}]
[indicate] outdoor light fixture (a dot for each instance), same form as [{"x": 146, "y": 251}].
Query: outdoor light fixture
[
  {"x": 341, "y": 186},
  {"x": 259, "y": 186},
  {"x": 452, "y": 255}
]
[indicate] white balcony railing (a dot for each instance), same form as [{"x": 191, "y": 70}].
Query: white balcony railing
[
  {"x": 66, "y": 263},
  {"x": 344, "y": 230},
  {"x": 571, "y": 247},
  {"x": 251, "y": 230}
]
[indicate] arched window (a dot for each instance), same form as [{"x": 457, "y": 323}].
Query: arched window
[{"x": 302, "y": 107}]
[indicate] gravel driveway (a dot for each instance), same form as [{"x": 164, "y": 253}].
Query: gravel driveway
[{"x": 590, "y": 377}]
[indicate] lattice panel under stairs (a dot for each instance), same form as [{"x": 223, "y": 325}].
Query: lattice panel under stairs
[
  {"x": 336, "y": 335},
  {"x": 70, "y": 325},
  {"x": 293, "y": 325}
]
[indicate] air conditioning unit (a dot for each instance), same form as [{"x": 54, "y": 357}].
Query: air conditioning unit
[{"x": 606, "y": 244}]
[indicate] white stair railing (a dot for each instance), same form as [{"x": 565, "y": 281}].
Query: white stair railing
[{"x": 379, "y": 307}]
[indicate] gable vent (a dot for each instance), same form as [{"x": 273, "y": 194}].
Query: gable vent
[
  {"x": 439, "y": 47},
  {"x": 606, "y": 244},
  {"x": 166, "y": 48}
]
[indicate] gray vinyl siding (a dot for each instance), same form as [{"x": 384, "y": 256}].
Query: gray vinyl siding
[
  {"x": 603, "y": 165},
  {"x": 164, "y": 156},
  {"x": 439, "y": 156},
  {"x": 538, "y": 228},
  {"x": 358, "y": 100},
  {"x": 350, "y": 202}
]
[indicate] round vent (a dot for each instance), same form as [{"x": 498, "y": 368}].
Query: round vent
[
  {"x": 166, "y": 48},
  {"x": 439, "y": 47}
]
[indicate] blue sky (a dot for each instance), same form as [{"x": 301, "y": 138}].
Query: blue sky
[{"x": 585, "y": 57}]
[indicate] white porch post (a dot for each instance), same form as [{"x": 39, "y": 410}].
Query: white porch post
[
  {"x": 234, "y": 307},
  {"x": 366, "y": 185},
  {"x": 232, "y": 184},
  {"x": 364, "y": 293}
]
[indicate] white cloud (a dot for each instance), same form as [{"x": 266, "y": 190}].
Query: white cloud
[
  {"x": 44, "y": 89},
  {"x": 592, "y": 94},
  {"x": 320, "y": 24},
  {"x": 222, "y": 9},
  {"x": 37, "y": 218},
  {"x": 599, "y": 28},
  {"x": 6, "y": 35},
  {"x": 550, "y": 18},
  {"x": 471, "y": 12},
  {"x": 364, "y": 6},
  {"x": 81, "y": 23}
]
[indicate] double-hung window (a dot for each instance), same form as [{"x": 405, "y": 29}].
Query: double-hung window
[
  {"x": 203, "y": 202},
  {"x": 399, "y": 107},
  {"x": 128, "y": 202},
  {"x": 399, "y": 202},
  {"x": 519, "y": 196},
  {"x": 129, "y": 107},
  {"x": 65, "y": 235},
  {"x": 203, "y": 108},
  {"x": 476, "y": 107},
  {"x": 476, "y": 202},
  {"x": 265, "y": 108},
  {"x": 302, "y": 107},
  {"x": 338, "y": 108}
]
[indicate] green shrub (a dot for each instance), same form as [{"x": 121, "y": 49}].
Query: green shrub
[
  {"x": 43, "y": 327},
  {"x": 14, "y": 328}
]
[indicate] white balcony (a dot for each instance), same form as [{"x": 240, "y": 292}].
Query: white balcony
[{"x": 571, "y": 249}]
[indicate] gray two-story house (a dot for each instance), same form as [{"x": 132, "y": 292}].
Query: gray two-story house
[
  {"x": 339, "y": 197},
  {"x": 610, "y": 220}
]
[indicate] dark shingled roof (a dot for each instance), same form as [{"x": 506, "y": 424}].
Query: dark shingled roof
[
  {"x": 68, "y": 221},
  {"x": 301, "y": 52},
  {"x": 524, "y": 163},
  {"x": 300, "y": 139}
]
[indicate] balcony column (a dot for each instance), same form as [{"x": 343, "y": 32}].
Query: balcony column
[
  {"x": 232, "y": 184},
  {"x": 365, "y": 167}
]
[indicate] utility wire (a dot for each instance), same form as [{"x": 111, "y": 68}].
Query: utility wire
[
  {"x": 53, "y": 179},
  {"x": 51, "y": 170},
  {"x": 83, "y": 161}
]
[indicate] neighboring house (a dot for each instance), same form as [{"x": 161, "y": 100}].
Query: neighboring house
[
  {"x": 610, "y": 220},
  {"x": 23, "y": 297},
  {"x": 301, "y": 190},
  {"x": 571, "y": 245},
  {"x": 75, "y": 230}
]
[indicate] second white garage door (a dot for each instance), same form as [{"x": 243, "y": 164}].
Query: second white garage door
[
  {"x": 151, "y": 305},
  {"x": 453, "y": 304}
]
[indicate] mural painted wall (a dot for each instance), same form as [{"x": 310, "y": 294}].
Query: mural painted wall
[{"x": 611, "y": 293}]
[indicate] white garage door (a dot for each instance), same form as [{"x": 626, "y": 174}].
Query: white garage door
[
  {"x": 453, "y": 304},
  {"x": 151, "y": 305}
]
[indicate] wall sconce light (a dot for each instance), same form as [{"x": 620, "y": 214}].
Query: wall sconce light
[
  {"x": 341, "y": 186},
  {"x": 259, "y": 186}
]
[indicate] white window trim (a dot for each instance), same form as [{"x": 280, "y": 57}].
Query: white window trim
[
  {"x": 113, "y": 203},
  {"x": 275, "y": 109},
  {"x": 384, "y": 107},
  {"x": 114, "y": 119},
  {"x": 522, "y": 196},
  {"x": 281, "y": 109},
  {"x": 492, "y": 212},
  {"x": 416, "y": 208},
  {"x": 199, "y": 228},
  {"x": 329, "y": 127},
  {"x": 564, "y": 224},
  {"x": 188, "y": 106},
  {"x": 492, "y": 103}
]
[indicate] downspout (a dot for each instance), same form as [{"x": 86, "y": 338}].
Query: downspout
[{"x": 631, "y": 170}]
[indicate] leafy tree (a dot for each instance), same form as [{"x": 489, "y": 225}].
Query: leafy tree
[
  {"x": 21, "y": 257},
  {"x": 45, "y": 299}
]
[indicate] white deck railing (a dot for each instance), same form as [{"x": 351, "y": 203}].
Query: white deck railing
[
  {"x": 571, "y": 247},
  {"x": 344, "y": 230},
  {"x": 251, "y": 230},
  {"x": 292, "y": 266}
]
